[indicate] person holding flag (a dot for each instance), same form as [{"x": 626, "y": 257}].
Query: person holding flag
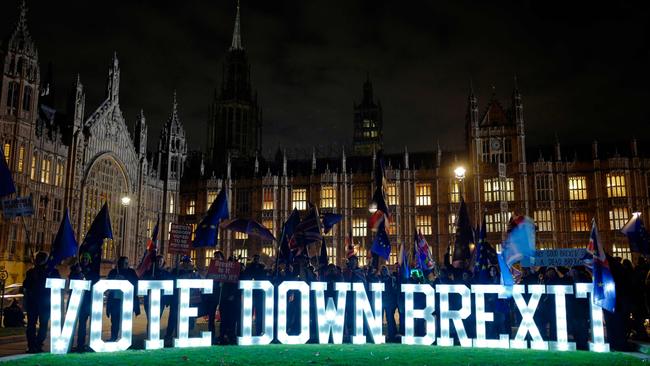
[
  {"x": 93, "y": 242},
  {"x": 206, "y": 234},
  {"x": 149, "y": 256},
  {"x": 37, "y": 301}
]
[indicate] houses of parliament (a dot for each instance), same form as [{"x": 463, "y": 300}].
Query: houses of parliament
[{"x": 77, "y": 159}]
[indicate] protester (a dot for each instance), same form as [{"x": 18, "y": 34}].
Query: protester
[
  {"x": 115, "y": 297},
  {"x": 83, "y": 271},
  {"x": 37, "y": 301}
]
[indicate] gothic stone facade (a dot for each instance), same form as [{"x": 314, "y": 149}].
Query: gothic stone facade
[{"x": 66, "y": 159}]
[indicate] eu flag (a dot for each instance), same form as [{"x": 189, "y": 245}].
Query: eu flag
[
  {"x": 250, "y": 227},
  {"x": 464, "y": 234},
  {"x": 93, "y": 242},
  {"x": 329, "y": 220},
  {"x": 637, "y": 235},
  {"x": 604, "y": 292},
  {"x": 381, "y": 244},
  {"x": 64, "y": 245},
  {"x": 482, "y": 262},
  {"x": 206, "y": 232},
  {"x": 7, "y": 185},
  {"x": 287, "y": 232}
]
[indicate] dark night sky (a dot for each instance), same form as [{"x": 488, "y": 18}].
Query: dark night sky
[{"x": 583, "y": 69}]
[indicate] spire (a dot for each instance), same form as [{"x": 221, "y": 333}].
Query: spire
[
  {"x": 113, "y": 88},
  {"x": 343, "y": 161},
  {"x": 313, "y": 159},
  {"x": 20, "y": 40},
  {"x": 284, "y": 162},
  {"x": 406, "y": 157},
  {"x": 257, "y": 165},
  {"x": 236, "y": 34}
]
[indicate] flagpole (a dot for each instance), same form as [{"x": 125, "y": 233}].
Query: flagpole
[{"x": 277, "y": 252}]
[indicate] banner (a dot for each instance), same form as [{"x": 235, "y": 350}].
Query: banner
[
  {"x": 223, "y": 271},
  {"x": 556, "y": 258},
  {"x": 19, "y": 206},
  {"x": 179, "y": 239}
]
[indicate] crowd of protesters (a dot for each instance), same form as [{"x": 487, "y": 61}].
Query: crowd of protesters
[{"x": 223, "y": 306}]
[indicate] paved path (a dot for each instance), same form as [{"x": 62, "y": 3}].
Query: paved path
[{"x": 17, "y": 345}]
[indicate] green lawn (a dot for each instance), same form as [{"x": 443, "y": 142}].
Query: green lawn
[{"x": 368, "y": 355}]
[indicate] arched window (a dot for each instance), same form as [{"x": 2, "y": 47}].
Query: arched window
[
  {"x": 27, "y": 99},
  {"x": 21, "y": 158},
  {"x": 32, "y": 172},
  {"x": 12, "y": 97}
]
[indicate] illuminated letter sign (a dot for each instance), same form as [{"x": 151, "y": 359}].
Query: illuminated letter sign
[
  {"x": 247, "y": 313},
  {"x": 483, "y": 317},
  {"x": 597, "y": 331},
  {"x": 60, "y": 338},
  {"x": 562, "y": 343},
  {"x": 527, "y": 321},
  {"x": 185, "y": 311},
  {"x": 456, "y": 316},
  {"x": 330, "y": 318},
  {"x": 362, "y": 308},
  {"x": 126, "y": 324},
  {"x": 303, "y": 289},
  {"x": 154, "y": 288},
  {"x": 410, "y": 314}
]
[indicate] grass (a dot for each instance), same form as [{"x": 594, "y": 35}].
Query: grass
[{"x": 368, "y": 355}]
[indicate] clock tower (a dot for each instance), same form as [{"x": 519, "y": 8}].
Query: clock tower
[{"x": 497, "y": 158}]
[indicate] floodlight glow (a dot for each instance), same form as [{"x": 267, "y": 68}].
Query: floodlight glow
[
  {"x": 154, "y": 288},
  {"x": 60, "y": 338},
  {"x": 527, "y": 311},
  {"x": 597, "y": 330},
  {"x": 303, "y": 288},
  {"x": 562, "y": 343},
  {"x": 185, "y": 312},
  {"x": 247, "y": 337},
  {"x": 362, "y": 308},
  {"x": 410, "y": 314},
  {"x": 483, "y": 317},
  {"x": 330, "y": 318},
  {"x": 456, "y": 316},
  {"x": 126, "y": 323}
]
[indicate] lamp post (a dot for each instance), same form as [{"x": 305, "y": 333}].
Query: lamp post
[
  {"x": 459, "y": 172},
  {"x": 126, "y": 201}
]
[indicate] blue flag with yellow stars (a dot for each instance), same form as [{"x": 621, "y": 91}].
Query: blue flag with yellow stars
[
  {"x": 381, "y": 244},
  {"x": 206, "y": 231},
  {"x": 604, "y": 294},
  {"x": 482, "y": 262}
]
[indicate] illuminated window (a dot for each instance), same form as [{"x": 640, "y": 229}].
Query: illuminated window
[
  {"x": 212, "y": 195},
  {"x": 423, "y": 194},
  {"x": 193, "y": 228},
  {"x": 331, "y": 253},
  {"x": 46, "y": 166},
  {"x": 209, "y": 255},
  {"x": 577, "y": 188},
  {"x": 241, "y": 253},
  {"x": 622, "y": 251},
  {"x": 423, "y": 224},
  {"x": 241, "y": 236},
  {"x": 299, "y": 198},
  {"x": 616, "y": 185},
  {"x": 7, "y": 152},
  {"x": 267, "y": 198},
  {"x": 452, "y": 223},
  {"x": 360, "y": 197},
  {"x": 392, "y": 257},
  {"x": 543, "y": 220},
  {"x": 21, "y": 158},
  {"x": 618, "y": 216},
  {"x": 171, "y": 204},
  {"x": 32, "y": 172},
  {"x": 362, "y": 255},
  {"x": 58, "y": 180},
  {"x": 193, "y": 255},
  {"x": 359, "y": 227},
  {"x": 108, "y": 250},
  {"x": 579, "y": 221},
  {"x": 268, "y": 223},
  {"x": 268, "y": 250},
  {"x": 191, "y": 207},
  {"x": 391, "y": 194},
  {"x": 543, "y": 187},
  {"x": 454, "y": 193},
  {"x": 327, "y": 197},
  {"x": 497, "y": 189},
  {"x": 496, "y": 222}
]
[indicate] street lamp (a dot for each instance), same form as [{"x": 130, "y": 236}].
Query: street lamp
[
  {"x": 372, "y": 208},
  {"x": 460, "y": 173},
  {"x": 126, "y": 201}
]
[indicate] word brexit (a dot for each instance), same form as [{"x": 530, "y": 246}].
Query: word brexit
[{"x": 330, "y": 316}]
